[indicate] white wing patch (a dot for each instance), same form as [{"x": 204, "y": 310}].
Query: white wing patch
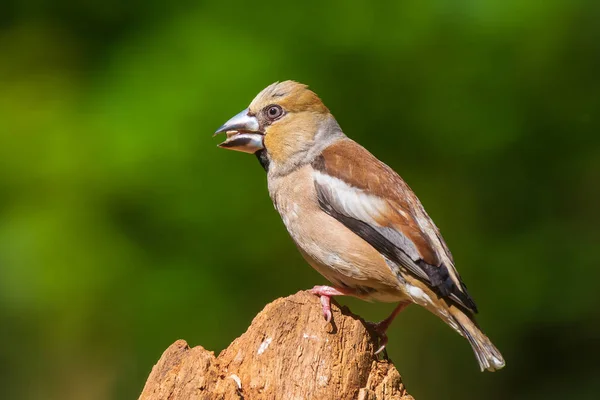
[
  {"x": 352, "y": 201},
  {"x": 367, "y": 208}
]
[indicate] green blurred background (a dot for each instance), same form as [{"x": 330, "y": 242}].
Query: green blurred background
[{"x": 124, "y": 228}]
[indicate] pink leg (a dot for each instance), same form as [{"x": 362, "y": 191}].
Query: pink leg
[
  {"x": 382, "y": 327},
  {"x": 325, "y": 293}
]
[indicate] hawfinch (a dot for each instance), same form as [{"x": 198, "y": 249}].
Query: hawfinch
[{"x": 352, "y": 217}]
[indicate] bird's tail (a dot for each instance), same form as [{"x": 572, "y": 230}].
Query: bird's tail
[{"x": 487, "y": 354}]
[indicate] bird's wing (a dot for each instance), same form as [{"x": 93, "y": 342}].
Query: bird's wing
[{"x": 373, "y": 201}]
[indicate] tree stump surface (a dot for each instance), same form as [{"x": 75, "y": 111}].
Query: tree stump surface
[{"x": 289, "y": 352}]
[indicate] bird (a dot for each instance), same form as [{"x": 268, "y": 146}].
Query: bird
[{"x": 352, "y": 217}]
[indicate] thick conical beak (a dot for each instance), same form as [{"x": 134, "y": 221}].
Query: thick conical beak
[{"x": 243, "y": 133}]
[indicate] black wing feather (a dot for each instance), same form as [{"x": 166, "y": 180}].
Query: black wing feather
[{"x": 438, "y": 278}]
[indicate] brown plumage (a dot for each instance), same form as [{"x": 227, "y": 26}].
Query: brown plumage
[
  {"x": 403, "y": 212},
  {"x": 352, "y": 217}
]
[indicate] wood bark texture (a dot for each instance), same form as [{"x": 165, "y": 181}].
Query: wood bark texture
[{"x": 288, "y": 352}]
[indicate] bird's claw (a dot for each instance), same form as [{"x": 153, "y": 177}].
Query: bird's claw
[
  {"x": 325, "y": 293},
  {"x": 326, "y": 304},
  {"x": 327, "y": 315},
  {"x": 382, "y": 343},
  {"x": 380, "y": 330}
]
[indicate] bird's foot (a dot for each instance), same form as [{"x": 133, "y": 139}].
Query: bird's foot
[
  {"x": 381, "y": 327},
  {"x": 325, "y": 293}
]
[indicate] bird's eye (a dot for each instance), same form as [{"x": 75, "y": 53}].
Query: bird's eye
[{"x": 274, "y": 112}]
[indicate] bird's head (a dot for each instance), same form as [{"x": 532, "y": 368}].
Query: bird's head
[{"x": 286, "y": 120}]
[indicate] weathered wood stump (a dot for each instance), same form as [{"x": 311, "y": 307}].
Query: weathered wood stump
[{"x": 289, "y": 353}]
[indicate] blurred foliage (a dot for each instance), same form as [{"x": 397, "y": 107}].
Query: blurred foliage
[{"x": 123, "y": 227}]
